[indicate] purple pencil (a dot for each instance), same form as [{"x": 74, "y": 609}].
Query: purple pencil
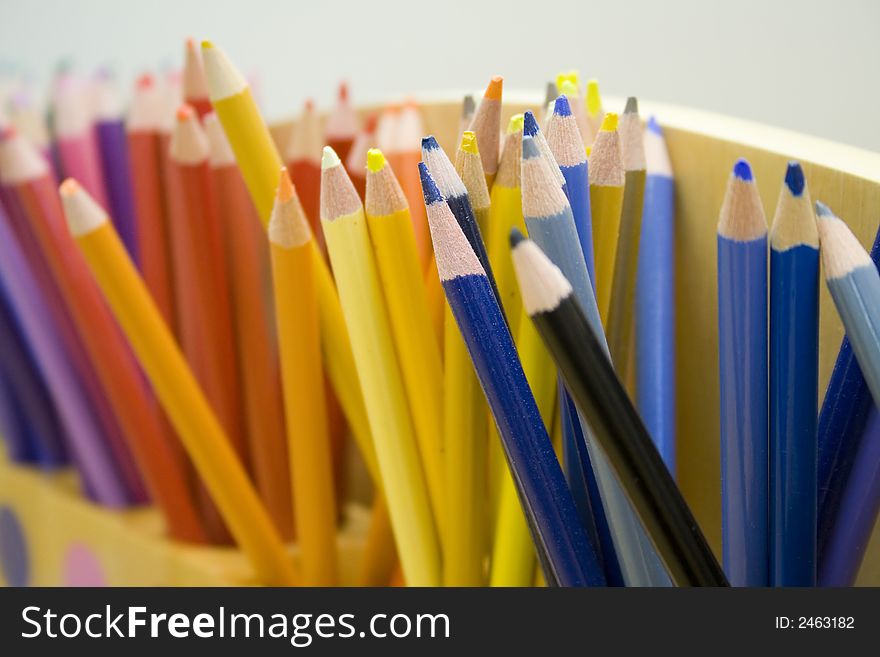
[
  {"x": 113, "y": 148},
  {"x": 86, "y": 439},
  {"x": 859, "y": 504}
]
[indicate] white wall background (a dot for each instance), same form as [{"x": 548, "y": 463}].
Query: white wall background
[{"x": 809, "y": 65}]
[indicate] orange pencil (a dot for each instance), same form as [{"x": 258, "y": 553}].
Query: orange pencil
[
  {"x": 194, "y": 83},
  {"x": 355, "y": 163},
  {"x": 145, "y": 159},
  {"x": 27, "y": 177},
  {"x": 487, "y": 127},
  {"x": 341, "y": 128},
  {"x": 303, "y": 158},
  {"x": 404, "y": 154}
]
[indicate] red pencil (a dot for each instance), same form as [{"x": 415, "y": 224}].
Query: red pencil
[
  {"x": 303, "y": 158},
  {"x": 341, "y": 127},
  {"x": 194, "y": 83}
]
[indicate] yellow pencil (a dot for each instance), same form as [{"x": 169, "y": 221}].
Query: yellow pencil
[
  {"x": 400, "y": 272},
  {"x": 436, "y": 300},
  {"x": 469, "y": 167},
  {"x": 176, "y": 387},
  {"x": 302, "y": 378},
  {"x": 348, "y": 243},
  {"x": 606, "y": 202},
  {"x": 260, "y": 163},
  {"x": 623, "y": 291},
  {"x": 595, "y": 113}
]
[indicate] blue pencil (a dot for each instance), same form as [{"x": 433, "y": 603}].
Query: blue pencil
[
  {"x": 567, "y": 147},
  {"x": 655, "y": 299},
  {"x": 794, "y": 383},
  {"x": 551, "y": 226},
  {"x": 859, "y": 504},
  {"x": 742, "y": 347},
  {"x": 841, "y": 426},
  {"x": 533, "y": 130},
  {"x": 566, "y": 554}
]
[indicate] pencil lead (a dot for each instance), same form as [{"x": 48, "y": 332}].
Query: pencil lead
[
  {"x": 823, "y": 210},
  {"x": 207, "y": 45},
  {"x": 285, "y": 186},
  {"x": 530, "y": 148},
  {"x": 516, "y": 237},
  {"x": 794, "y": 178},
  {"x": 550, "y": 92},
  {"x": 594, "y": 99},
  {"x": 429, "y": 143},
  {"x": 654, "y": 125},
  {"x": 572, "y": 77},
  {"x": 562, "y": 106},
  {"x": 493, "y": 91},
  {"x": 468, "y": 107},
  {"x": 329, "y": 159},
  {"x": 429, "y": 187},
  {"x": 530, "y": 125},
  {"x": 568, "y": 88},
  {"x": 146, "y": 81},
  {"x": 609, "y": 123},
  {"x": 742, "y": 170},
  {"x": 375, "y": 160},
  {"x": 516, "y": 124},
  {"x": 469, "y": 142},
  {"x": 632, "y": 105},
  {"x": 343, "y": 92}
]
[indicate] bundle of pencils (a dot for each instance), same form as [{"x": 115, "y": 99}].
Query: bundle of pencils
[{"x": 187, "y": 317}]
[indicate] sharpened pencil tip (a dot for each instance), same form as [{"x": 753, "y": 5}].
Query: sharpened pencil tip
[
  {"x": 572, "y": 77},
  {"x": 530, "y": 125},
  {"x": 794, "y": 178},
  {"x": 494, "y": 90},
  {"x": 632, "y": 105},
  {"x": 429, "y": 143},
  {"x": 742, "y": 170},
  {"x": 469, "y": 142},
  {"x": 530, "y": 148},
  {"x": 207, "y": 45},
  {"x": 654, "y": 125},
  {"x": 468, "y": 106},
  {"x": 375, "y": 160},
  {"x": 823, "y": 210},
  {"x": 342, "y": 94},
  {"x": 285, "y": 186},
  {"x": 329, "y": 159},
  {"x": 429, "y": 187},
  {"x": 185, "y": 112},
  {"x": 569, "y": 89},
  {"x": 68, "y": 187},
  {"x": 609, "y": 122},
  {"x": 562, "y": 106},
  {"x": 516, "y": 124},
  {"x": 516, "y": 237},
  {"x": 594, "y": 99}
]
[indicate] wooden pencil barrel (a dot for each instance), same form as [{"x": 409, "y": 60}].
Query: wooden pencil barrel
[{"x": 703, "y": 147}]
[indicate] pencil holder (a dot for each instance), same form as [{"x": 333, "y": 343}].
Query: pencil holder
[
  {"x": 50, "y": 535},
  {"x": 48, "y": 531},
  {"x": 703, "y": 147}
]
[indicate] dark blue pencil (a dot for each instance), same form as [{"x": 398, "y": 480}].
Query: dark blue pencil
[
  {"x": 742, "y": 347},
  {"x": 794, "y": 383},
  {"x": 567, "y": 556},
  {"x": 655, "y": 299}
]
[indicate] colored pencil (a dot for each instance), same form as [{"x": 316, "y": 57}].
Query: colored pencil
[
  {"x": 854, "y": 283},
  {"x": 626, "y": 262},
  {"x": 341, "y": 127},
  {"x": 303, "y": 157},
  {"x": 145, "y": 166},
  {"x": 531, "y": 129},
  {"x": 113, "y": 149},
  {"x": 15, "y": 434},
  {"x": 742, "y": 349},
  {"x": 421, "y": 367},
  {"x": 299, "y": 341},
  {"x": 248, "y": 273},
  {"x": 655, "y": 299},
  {"x": 583, "y": 362},
  {"x": 120, "y": 376},
  {"x": 568, "y": 150},
  {"x": 593, "y": 102},
  {"x": 842, "y": 422},
  {"x": 794, "y": 383},
  {"x": 566, "y": 555},
  {"x": 848, "y": 539},
  {"x": 386, "y": 127},
  {"x": 24, "y": 382},
  {"x": 551, "y": 93},
  {"x": 193, "y": 83},
  {"x": 551, "y": 225},
  {"x": 348, "y": 245},
  {"x": 469, "y": 167},
  {"x": 28, "y": 118},
  {"x": 404, "y": 155},
  {"x": 606, "y": 202},
  {"x": 74, "y": 136},
  {"x": 506, "y": 213},
  {"x": 176, "y": 388},
  {"x": 486, "y": 125},
  {"x": 570, "y": 90},
  {"x": 468, "y": 109},
  {"x": 357, "y": 154}
]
